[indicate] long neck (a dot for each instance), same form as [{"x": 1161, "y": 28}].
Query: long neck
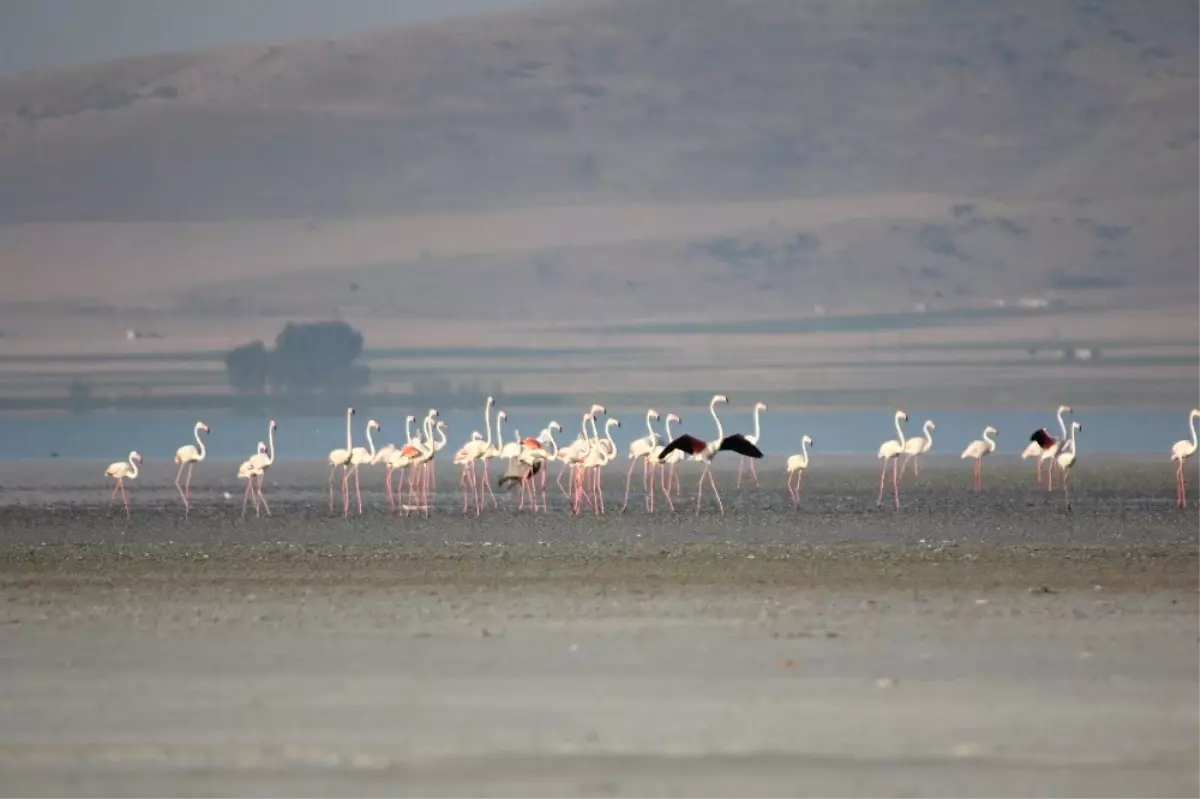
[
  {"x": 583, "y": 427},
  {"x": 756, "y": 430},
  {"x": 712, "y": 408},
  {"x": 669, "y": 438},
  {"x": 1192, "y": 424},
  {"x": 271, "y": 444},
  {"x": 649, "y": 428},
  {"x": 428, "y": 426},
  {"x": 439, "y": 444},
  {"x": 370, "y": 442},
  {"x": 595, "y": 430},
  {"x": 928, "y": 434},
  {"x": 499, "y": 431},
  {"x": 899, "y": 432},
  {"x": 553, "y": 443},
  {"x": 1062, "y": 426},
  {"x": 608, "y": 432},
  {"x": 1073, "y": 429},
  {"x": 349, "y": 438},
  {"x": 487, "y": 420},
  {"x": 407, "y": 429},
  {"x": 199, "y": 442},
  {"x": 133, "y": 466},
  {"x": 992, "y": 444},
  {"x": 804, "y": 450}
]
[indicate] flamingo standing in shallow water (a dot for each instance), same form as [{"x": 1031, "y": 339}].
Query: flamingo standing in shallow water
[
  {"x": 705, "y": 451},
  {"x": 248, "y": 471},
  {"x": 640, "y": 450},
  {"x": 475, "y": 451},
  {"x": 1045, "y": 447},
  {"x": 120, "y": 471},
  {"x": 341, "y": 457},
  {"x": 1066, "y": 460},
  {"x": 753, "y": 439},
  {"x": 600, "y": 454},
  {"x": 1180, "y": 452},
  {"x": 979, "y": 449},
  {"x": 797, "y": 465},
  {"x": 187, "y": 457},
  {"x": 890, "y": 451}
]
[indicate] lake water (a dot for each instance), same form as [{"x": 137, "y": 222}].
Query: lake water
[{"x": 109, "y": 437}]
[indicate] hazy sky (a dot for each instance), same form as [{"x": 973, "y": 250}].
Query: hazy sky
[{"x": 36, "y": 34}]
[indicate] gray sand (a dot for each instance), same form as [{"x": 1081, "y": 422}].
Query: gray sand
[{"x": 969, "y": 645}]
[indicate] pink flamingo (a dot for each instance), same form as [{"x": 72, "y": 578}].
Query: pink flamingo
[
  {"x": 979, "y": 449},
  {"x": 187, "y": 457},
  {"x": 1180, "y": 452},
  {"x": 890, "y": 452},
  {"x": 706, "y": 451},
  {"x": 122, "y": 470}
]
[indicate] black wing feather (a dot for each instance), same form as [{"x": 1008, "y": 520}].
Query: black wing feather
[
  {"x": 738, "y": 443},
  {"x": 1044, "y": 439},
  {"x": 689, "y": 444}
]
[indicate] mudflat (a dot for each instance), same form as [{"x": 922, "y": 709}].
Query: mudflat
[{"x": 991, "y": 644}]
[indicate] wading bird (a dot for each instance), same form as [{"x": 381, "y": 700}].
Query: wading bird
[
  {"x": 121, "y": 471},
  {"x": 640, "y": 450},
  {"x": 914, "y": 448},
  {"x": 979, "y": 449},
  {"x": 705, "y": 451},
  {"x": 263, "y": 461},
  {"x": 1045, "y": 447},
  {"x": 359, "y": 456},
  {"x": 796, "y": 466},
  {"x": 753, "y": 439},
  {"x": 1180, "y": 452},
  {"x": 889, "y": 451},
  {"x": 248, "y": 471},
  {"x": 341, "y": 457},
  {"x": 187, "y": 457},
  {"x": 1066, "y": 460}
]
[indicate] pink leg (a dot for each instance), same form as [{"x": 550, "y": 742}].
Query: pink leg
[
  {"x": 357, "y": 489},
  {"x": 246, "y": 496},
  {"x": 896, "y": 481},
  {"x": 261, "y": 497},
  {"x": 917, "y": 466},
  {"x": 112, "y": 498},
  {"x": 800, "y": 488},
  {"x": 1038, "y": 474},
  {"x": 124, "y": 496},
  {"x": 882, "y": 477},
  {"x": 1180, "y": 486},
  {"x": 754, "y": 471},
  {"x": 387, "y": 486},
  {"x": 741, "y": 463},
  {"x": 628, "y": 479},
  {"x": 179, "y": 488},
  {"x": 332, "y": 471},
  {"x": 712, "y": 482},
  {"x": 1066, "y": 476},
  {"x": 648, "y": 483},
  {"x": 1050, "y": 476}
]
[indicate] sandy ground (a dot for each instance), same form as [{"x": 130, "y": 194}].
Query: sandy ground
[{"x": 968, "y": 645}]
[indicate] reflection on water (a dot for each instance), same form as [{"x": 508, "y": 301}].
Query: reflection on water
[{"x": 157, "y": 436}]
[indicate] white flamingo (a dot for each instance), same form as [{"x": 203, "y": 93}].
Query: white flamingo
[
  {"x": 248, "y": 471},
  {"x": 670, "y": 475},
  {"x": 359, "y": 456},
  {"x": 1045, "y": 447},
  {"x": 705, "y": 451},
  {"x": 1180, "y": 452},
  {"x": 422, "y": 465},
  {"x": 1066, "y": 460},
  {"x": 472, "y": 453},
  {"x": 890, "y": 451},
  {"x": 122, "y": 471},
  {"x": 599, "y": 456},
  {"x": 572, "y": 457},
  {"x": 914, "y": 448},
  {"x": 187, "y": 457},
  {"x": 979, "y": 449},
  {"x": 640, "y": 450},
  {"x": 260, "y": 463},
  {"x": 796, "y": 466},
  {"x": 341, "y": 457},
  {"x": 753, "y": 439}
]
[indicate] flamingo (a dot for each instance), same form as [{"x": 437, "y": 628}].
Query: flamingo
[
  {"x": 418, "y": 479},
  {"x": 359, "y": 456},
  {"x": 1181, "y": 451},
  {"x": 187, "y": 456},
  {"x": 796, "y": 465},
  {"x": 890, "y": 451},
  {"x": 530, "y": 462},
  {"x": 706, "y": 451},
  {"x": 260, "y": 463},
  {"x": 670, "y": 479},
  {"x": 1045, "y": 447},
  {"x": 599, "y": 455},
  {"x": 573, "y": 454},
  {"x": 753, "y": 439},
  {"x": 978, "y": 449},
  {"x": 640, "y": 449},
  {"x": 471, "y": 453},
  {"x": 248, "y": 471},
  {"x": 341, "y": 457},
  {"x": 389, "y": 453},
  {"x": 120, "y": 471},
  {"x": 1066, "y": 460},
  {"x": 493, "y": 452},
  {"x": 914, "y": 448}
]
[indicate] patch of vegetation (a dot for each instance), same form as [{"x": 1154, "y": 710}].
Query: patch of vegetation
[
  {"x": 741, "y": 256},
  {"x": 314, "y": 357}
]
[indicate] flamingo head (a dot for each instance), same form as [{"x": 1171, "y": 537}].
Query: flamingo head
[
  {"x": 135, "y": 456},
  {"x": 612, "y": 422},
  {"x": 1076, "y": 426},
  {"x": 502, "y": 415},
  {"x": 433, "y": 412},
  {"x": 760, "y": 406},
  {"x": 672, "y": 417},
  {"x": 262, "y": 447},
  {"x": 902, "y": 415},
  {"x": 476, "y": 435},
  {"x": 1195, "y": 412},
  {"x": 350, "y": 411},
  {"x": 491, "y": 401},
  {"x": 1065, "y": 409},
  {"x": 410, "y": 418},
  {"x": 372, "y": 425},
  {"x": 273, "y": 425},
  {"x": 807, "y": 439},
  {"x": 929, "y": 424},
  {"x": 653, "y": 414},
  {"x": 202, "y": 426},
  {"x": 555, "y": 426},
  {"x": 719, "y": 398},
  {"x": 996, "y": 432},
  {"x": 440, "y": 425},
  {"x": 597, "y": 409}
]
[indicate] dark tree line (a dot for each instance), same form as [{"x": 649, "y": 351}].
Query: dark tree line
[{"x": 307, "y": 358}]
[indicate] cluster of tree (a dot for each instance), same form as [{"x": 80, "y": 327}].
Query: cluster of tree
[{"x": 307, "y": 358}]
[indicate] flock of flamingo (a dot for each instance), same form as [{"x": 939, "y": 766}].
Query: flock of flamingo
[{"x": 583, "y": 461}]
